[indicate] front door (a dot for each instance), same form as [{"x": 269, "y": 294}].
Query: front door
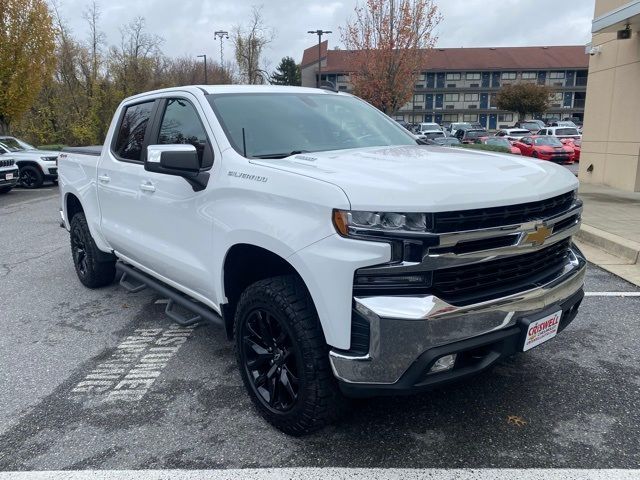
[
  {"x": 493, "y": 121},
  {"x": 177, "y": 221}
]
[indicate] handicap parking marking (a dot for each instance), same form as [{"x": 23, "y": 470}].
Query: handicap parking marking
[{"x": 130, "y": 371}]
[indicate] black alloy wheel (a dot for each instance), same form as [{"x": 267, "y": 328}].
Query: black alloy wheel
[
  {"x": 270, "y": 360},
  {"x": 79, "y": 251},
  {"x": 30, "y": 177}
]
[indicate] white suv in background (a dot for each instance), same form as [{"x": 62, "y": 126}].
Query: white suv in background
[
  {"x": 35, "y": 165},
  {"x": 561, "y": 132}
]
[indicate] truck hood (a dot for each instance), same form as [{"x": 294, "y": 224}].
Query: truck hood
[{"x": 429, "y": 178}]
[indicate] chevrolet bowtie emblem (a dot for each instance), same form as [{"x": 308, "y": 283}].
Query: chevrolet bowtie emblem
[{"x": 539, "y": 236}]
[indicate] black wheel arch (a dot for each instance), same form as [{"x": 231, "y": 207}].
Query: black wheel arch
[
  {"x": 29, "y": 163},
  {"x": 244, "y": 265}
]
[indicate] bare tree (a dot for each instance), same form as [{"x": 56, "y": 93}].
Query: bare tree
[
  {"x": 249, "y": 43},
  {"x": 91, "y": 15}
]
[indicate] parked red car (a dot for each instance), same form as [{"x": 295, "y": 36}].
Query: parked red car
[
  {"x": 576, "y": 145},
  {"x": 499, "y": 142},
  {"x": 545, "y": 148}
]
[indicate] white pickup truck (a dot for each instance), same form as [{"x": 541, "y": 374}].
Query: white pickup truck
[{"x": 344, "y": 258}]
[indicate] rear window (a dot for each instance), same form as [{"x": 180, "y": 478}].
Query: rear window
[
  {"x": 566, "y": 131},
  {"x": 519, "y": 132},
  {"x": 131, "y": 132}
]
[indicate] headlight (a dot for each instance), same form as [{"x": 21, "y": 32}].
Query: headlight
[
  {"x": 49, "y": 159},
  {"x": 350, "y": 223}
]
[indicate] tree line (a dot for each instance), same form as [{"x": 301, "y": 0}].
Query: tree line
[{"x": 58, "y": 88}]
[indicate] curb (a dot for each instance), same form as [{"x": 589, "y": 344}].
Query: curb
[{"x": 611, "y": 243}]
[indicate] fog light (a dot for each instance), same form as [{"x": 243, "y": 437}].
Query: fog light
[{"x": 444, "y": 363}]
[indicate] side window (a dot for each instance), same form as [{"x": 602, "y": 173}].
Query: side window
[
  {"x": 132, "y": 129},
  {"x": 542, "y": 132},
  {"x": 181, "y": 124}
]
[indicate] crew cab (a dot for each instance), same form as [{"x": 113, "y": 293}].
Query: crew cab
[
  {"x": 343, "y": 258},
  {"x": 36, "y": 166}
]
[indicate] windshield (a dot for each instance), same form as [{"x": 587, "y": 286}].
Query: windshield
[
  {"x": 548, "y": 141},
  {"x": 429, "y": 126},
  {"x": 474, "y": 133},
  {"x": 15, "y": 145},
  {"x": 530, "y": 126},
  {"x": 566, "y": 131},
  {"x": 499, "y": 141},
  {"x": 516, "y": 133},
  {"x": 277, "y": 125},
  {"x": 433, "y": 134}
]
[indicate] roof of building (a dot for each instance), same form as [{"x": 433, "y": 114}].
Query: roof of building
[{"x": 466, "y": 59}]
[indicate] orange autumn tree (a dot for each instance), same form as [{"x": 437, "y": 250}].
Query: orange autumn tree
[{"x": 388, "y": 42}]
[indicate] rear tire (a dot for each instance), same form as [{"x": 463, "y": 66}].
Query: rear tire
[
  {"x": 91, "y": 272},
  {"x": 5, "y": 190},
  {"x": 31, "y": 177},
  {"x": 283, "y": 357}
]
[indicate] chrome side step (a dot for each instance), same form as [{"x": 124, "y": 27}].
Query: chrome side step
[{"x": 134, "y": 281}]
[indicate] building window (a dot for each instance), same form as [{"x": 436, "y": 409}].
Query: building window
[
  {"x": 451, "y": 97},
  {"x": 453, "y": 76},
  {"x": 471, "y": 97},
  {"x": 343, "y": 78},
  {"x": 450, "y": 117},
  {"x": 418, "y": 98},
  {"x": 505, "y": 117},
  {"x": 399, "y": 118},
  {"x": 473, "y": 76},
  {"x": 555, "y": 97},
  {"x": 529, "y": 75},
  {"x": 470, "y": 117},
  {"x": 508, "y": 75},
  {"x": 556, "y": 75}
]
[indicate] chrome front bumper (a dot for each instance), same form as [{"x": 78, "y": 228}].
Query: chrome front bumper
[{"x": 404, "y": 327}]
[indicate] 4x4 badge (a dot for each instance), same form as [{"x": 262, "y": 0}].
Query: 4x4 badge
[{"x": 539, "y": 236}]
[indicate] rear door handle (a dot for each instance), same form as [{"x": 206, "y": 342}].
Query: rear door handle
[
  {"x": 147, "y": 187},
  {"x": 104, "y": 178}
]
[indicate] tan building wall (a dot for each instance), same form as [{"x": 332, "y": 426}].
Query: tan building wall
[{"x": 611, "y": 141}]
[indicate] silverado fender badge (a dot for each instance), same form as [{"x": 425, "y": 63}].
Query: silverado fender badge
[
  {"x": 246, "y": 176},
  {"x": 539, "y": 236}
]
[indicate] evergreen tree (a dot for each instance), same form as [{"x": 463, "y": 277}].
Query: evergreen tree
[{"x": 287, "y": 73}]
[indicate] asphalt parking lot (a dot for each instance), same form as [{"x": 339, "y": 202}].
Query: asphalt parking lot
[{"x": 571, "y": 403}]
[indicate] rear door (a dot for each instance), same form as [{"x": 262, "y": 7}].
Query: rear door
[{"x": 119, "y": 175}]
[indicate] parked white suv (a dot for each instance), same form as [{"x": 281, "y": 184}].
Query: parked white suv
[
  {"x": 36, "y": 166},
  {"x": 8, "y": 172},
  {"x": 344, "y": 258},
  {"x": 561, "y": 132}
]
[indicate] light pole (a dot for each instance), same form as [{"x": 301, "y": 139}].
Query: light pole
[
  {"x": 319, "y": 33},
  {"x": 206, "y": 78},
  {"x": 221, "y": 34}
]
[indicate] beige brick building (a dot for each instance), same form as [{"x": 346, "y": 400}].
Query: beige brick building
[{"x": 611, "y": 142}]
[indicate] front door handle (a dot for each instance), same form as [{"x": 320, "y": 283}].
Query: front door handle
[
  {"x": 147, "y": 187},
  {"x": 104, "y": 178}
]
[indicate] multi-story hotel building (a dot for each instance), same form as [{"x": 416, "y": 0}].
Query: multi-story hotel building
[{"x": 461, "y": 84}]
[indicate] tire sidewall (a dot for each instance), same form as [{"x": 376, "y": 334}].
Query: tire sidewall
[{"x": 79, "y": 227}]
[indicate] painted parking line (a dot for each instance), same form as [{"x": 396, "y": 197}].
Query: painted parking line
[
  {"x": 331, "y": 474},
  {"x": 612, "y": 294}
]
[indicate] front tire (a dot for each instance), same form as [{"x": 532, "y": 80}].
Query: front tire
[
  {"x": 283, "y": 357},
  {"x": 91, "y": 272},
  {"x": 31, "y": 177}
]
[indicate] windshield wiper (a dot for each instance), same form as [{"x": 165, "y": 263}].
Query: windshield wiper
[{"x": 280, "y": 155}]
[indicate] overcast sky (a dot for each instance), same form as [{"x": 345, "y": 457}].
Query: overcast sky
[{"x": 188, "y": 25}]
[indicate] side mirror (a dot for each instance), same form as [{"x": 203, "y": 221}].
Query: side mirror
[{"x": 180, "y": 160}]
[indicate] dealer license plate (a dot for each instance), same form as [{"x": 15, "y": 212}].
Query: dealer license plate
[
  {"x": 9, "y": 176},
  {"x": 542, "y": 330}
]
